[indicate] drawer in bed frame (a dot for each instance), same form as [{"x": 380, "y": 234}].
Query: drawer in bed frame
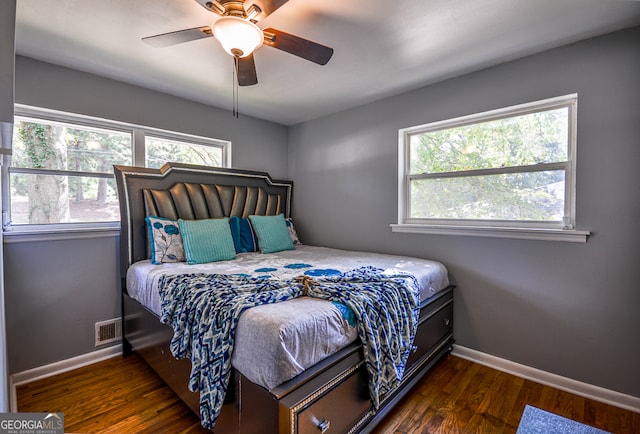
[{"x": 331, "y": 396}]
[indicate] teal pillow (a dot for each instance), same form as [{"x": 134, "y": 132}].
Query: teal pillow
[
  {"x": 207, "y": 240},
  {"x": 272, "y": 232}
]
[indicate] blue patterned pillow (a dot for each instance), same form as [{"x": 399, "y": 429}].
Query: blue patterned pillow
[
  {"x": 207, "y": 240},
  {"x": 272, "y": 233},
  {"x": 244, "y": 239},
  {"x": 164, "y": 240},
  {"x": 292, "y": 231}
]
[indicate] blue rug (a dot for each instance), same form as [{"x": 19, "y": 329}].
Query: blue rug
[{"x": 539, "y": 421}]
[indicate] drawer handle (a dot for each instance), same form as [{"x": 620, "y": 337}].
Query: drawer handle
[
  {"x": 324, "y": 425},
  {"x": 447, "y": 321}
]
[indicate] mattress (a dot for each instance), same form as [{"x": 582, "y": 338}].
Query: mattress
[{"x": 276, "y": 342}]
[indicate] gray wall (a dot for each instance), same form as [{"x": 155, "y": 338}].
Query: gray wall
[
  {"x": 569, "y": 309},
  {"x": 7, "y": 38},
  {"x": 57, "y": 290}
]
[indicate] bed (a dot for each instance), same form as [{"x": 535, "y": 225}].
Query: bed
[{"x": 318, "y": 374}]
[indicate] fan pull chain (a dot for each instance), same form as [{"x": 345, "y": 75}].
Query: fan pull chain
[{"x": 235, "y": 87}]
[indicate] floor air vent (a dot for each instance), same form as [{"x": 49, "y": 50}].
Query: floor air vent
[{"x": 108, "y": 331}]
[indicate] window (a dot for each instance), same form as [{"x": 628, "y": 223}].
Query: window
[
  {"x": 62, "y": 172},
  {"x": 61, "y": 169},
  {"x": 159, "y": 150},
  {"x": 511, "y": 169}
]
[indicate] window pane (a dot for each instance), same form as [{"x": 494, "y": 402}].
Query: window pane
[
  {"x": 160, "y": 151},
  {"x": 515, "y": 141},
  {"x": 49, "y": 199},
  {"x": 535, "y": 196},
  {"x": 55, "y": 145}
]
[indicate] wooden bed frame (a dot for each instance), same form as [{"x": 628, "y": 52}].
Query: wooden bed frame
[{"x": 331, "y": 396}]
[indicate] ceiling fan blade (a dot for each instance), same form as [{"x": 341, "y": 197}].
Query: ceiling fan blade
[
  {"x": 178, "y": 37},
  {"x": 266, "y": 6},
  {"x": 298, "y": 46},
  {"x": 246, "y": 70}
]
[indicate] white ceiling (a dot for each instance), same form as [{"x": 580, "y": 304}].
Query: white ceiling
[{"x": 381, "y": 47}]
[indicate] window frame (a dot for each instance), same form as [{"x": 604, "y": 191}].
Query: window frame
[
  {"x": 27, "y": 232},
  {"x": 557, "y": 230}
]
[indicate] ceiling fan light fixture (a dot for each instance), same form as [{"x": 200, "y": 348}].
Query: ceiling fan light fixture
[{"x": 237, "y": 36}]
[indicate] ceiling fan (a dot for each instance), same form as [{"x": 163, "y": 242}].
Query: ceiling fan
[{"x": 237, "y": 32}]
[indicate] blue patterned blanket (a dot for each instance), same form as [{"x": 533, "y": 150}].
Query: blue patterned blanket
[{"x": 203, "y": 310}]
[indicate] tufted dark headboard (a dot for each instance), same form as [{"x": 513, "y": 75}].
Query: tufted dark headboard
[{"x": 190, "y": 192}]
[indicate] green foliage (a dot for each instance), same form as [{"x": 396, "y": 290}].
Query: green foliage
[
  {"x": 510, "y": 142},
  {"x": 83, "y": 151},
  {"x": 68, "y": 148},
  {"x": 159, "y": 151},
  {"x": 531, "y": 196},
  {"x": 518, "y": 141},
  {"x": 38, "y": 149}
]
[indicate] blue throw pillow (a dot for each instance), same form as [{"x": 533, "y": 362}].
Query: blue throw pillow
[
  {"x": 272, "y": 233},
  {"x": 244, "y": 239},
  {"x": 207, "y": 240},
  {"x": 164, "y": 240},
  {"x": 292, "y": 231}
]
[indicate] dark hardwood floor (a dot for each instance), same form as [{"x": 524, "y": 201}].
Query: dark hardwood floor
[{"x": 123, "y": 395}]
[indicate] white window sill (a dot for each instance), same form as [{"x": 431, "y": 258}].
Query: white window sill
[
  {"x": 571, "y": 236},
  {"x": 34, "y": 233}
]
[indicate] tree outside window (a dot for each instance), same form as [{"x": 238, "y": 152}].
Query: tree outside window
[
  {"x": 62, "y": 173},
  {"x": 511, "y": 167}
]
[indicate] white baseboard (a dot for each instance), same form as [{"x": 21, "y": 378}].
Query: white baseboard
[
  {"x": 586, "y": 390},
  {"x": 58, "y": 368}
]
